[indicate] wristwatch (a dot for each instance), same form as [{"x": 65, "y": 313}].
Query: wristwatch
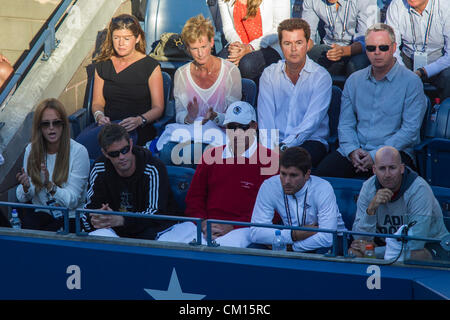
[
  {"x": 144, "y": 120},
  {"x": 52, "y": 191},
  {"x": 422, "y": 73}
]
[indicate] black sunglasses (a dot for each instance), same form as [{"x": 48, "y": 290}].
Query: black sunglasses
[
  {"x": 47, "y": 124},
  {"x": 235, "y": 126},
  {"x": 115, "y": 154},
  {"x": 383, "y": 47}
]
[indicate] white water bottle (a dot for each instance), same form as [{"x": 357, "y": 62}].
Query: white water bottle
[
  {"x": 15, "y": 221},
  {"x": 278, "y": 243}
]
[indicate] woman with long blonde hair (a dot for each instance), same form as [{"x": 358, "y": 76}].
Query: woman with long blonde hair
[
  {"x": 55, "y": 168},
  {"x": 250, "y": 28}
]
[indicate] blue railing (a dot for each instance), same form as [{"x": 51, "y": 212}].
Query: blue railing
[
  {"x": 47, "y": 40},
  {"x": 210, "y": 243}
]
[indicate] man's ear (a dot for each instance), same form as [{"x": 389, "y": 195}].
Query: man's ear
[
  {"x": 104, "y": 152},
  {"x": 131, "y": 143}
]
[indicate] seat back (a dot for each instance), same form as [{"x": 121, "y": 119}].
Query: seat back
[
  {"x": 170, "y": 16},
  {"x": 180, "y": 179},
  {"x": 249, "y": 90},
  {"x": 443, "y": 197},
  {"x": 334, "y": 111},
  {"x": 347, "y": 192},
  {"x": 443, "y": 120}
]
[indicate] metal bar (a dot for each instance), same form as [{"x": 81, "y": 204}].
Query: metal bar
[{"x": 34, "y": 51}]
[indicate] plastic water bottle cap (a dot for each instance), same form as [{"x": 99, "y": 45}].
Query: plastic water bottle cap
[{"x": 277, "y": 232}]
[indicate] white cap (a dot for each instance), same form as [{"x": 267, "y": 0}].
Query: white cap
[{"x": 240, "y": 112}]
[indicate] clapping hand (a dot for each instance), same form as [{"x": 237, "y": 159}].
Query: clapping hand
[
  {"x": 192, "y": 109},
  {"x": 23, "y": 179}
]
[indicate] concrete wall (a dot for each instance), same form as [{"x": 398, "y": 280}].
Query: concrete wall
[
  {"x": 61, "y": 76},
  {"x": 20, "y": 20}
]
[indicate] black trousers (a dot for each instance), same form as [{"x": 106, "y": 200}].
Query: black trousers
[
  {"x": 316, "y": 149},
  {"x": 38, "y": 220},
  {"x": 441, "y": 80},
  {"x": 336, "y": 165},
  {"x": 253, "y": 64}
]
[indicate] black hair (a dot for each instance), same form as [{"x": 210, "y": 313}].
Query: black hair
[{"x": 297, "y": 157}]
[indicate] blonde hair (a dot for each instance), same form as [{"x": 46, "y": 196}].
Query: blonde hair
[
  {"x": 252, "y": 7},
  {"x": 121, "y": 22},
  {"x": 195, "y": 28},
  {"x": 39, "y": 146}
]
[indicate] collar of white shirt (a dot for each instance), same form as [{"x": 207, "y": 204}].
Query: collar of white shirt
[
  {"x": 308, "y": 67},
  {"x": 227, "y": 153}
]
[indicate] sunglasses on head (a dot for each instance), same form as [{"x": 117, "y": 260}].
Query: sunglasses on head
[
  {"x": 383, "y": 47},
  {"x": 235, "y": 126},
  {"x": 55, "y": 123},
  {"x": 115, "y": 154}
]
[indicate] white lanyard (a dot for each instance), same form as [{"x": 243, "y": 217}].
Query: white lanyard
[
  {"x": 427, "y": 31},
  {"x": 333, "y": 24}
]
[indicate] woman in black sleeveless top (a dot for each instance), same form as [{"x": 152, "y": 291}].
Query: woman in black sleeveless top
[{"x": 128, "y": 84}]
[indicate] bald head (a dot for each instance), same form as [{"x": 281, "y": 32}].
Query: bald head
[
  {"x": 388, "y": 152},
  {"x": 389, "y": 168}
]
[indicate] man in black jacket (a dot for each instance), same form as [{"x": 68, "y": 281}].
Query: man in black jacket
[{"x": 128, "y": 178}]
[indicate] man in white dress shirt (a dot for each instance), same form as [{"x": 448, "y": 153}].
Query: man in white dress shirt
[
  {"x": 294, "y": 95},
  {"x": 422, "y": 28}
]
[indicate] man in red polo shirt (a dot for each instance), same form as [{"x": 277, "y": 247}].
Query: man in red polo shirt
[{"x": 227, "y": 180}]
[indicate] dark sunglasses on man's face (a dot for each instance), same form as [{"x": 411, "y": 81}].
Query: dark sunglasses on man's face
[
  {"x": 56, "y": 123},
  {"x": 235, "y": 126},
  {"x": 115, "y": 154},
  {"x": 383, "y": 47}
]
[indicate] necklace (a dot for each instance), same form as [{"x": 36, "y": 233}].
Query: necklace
[{"x": 209, "y": 72}]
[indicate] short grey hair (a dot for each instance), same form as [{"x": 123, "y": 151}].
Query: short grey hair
[{"x": 381, "y": 27}]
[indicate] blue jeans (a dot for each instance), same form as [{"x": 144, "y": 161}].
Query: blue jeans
[{"x": 346, "y": 66}]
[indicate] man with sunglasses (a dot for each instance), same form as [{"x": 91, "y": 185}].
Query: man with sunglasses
[
  {"x": 344, "y": 22},
  {"x": 294, "y": 95},
  {"x": 127, "y": 178},
  {"x": 383, "y": 104},
  {"x": 227, "y": 180},
  {"x": 422, "y": 28}
]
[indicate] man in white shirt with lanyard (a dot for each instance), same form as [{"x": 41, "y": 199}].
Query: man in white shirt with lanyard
[
  {"x": 345, "y": 23},
  {"x": 301, "y": 200},
  {"x": 424, "y": 29},
  {"x": 294, "y": 95}
]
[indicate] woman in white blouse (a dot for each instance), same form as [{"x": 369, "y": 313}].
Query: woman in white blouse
[
  {"x": 203, "y": 88},
  {"x": 55, "y": 169},
  {"x": 250, "y": 28}
]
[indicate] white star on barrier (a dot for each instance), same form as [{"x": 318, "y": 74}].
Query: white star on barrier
[{"x": 174, "y": 291}]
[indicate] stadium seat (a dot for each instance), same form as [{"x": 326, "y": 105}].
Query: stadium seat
[
  {"x": 433, "y": 154},
  {"x": 333, "y": 114},
  {"x": 346, "y": 191},
  {"x": 443, "y": 196},
  {"x": 180, "y": 180},
  {"x": 170, "y": 16},
  {"x": 249, "y": 91},
  {"x": 169, "y": 110}
]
